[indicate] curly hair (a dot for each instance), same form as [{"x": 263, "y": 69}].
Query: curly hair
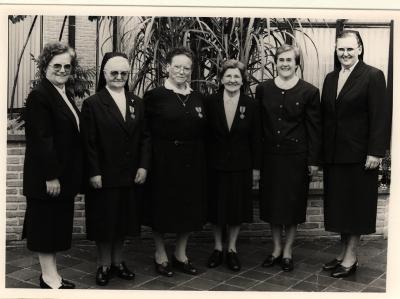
[
  {"x": 180, "y": 51},
  {"x": 234, "y": 64},
  {"x": 286, "y": 48},
  {"x": 52, "y": 49}
]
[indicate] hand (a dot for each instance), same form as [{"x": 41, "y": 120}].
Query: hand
[
  {"x": 256, "y": 177},
  {"x": 141, "y": 175},
  {"x": 312, "y": 170},
  {"x": 53, "y": 187},
  {"x": 372, "y": 162},
  {"x": 95, "y": 182}
]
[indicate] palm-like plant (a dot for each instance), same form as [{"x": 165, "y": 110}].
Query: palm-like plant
[{"x": 147, "y": 40}]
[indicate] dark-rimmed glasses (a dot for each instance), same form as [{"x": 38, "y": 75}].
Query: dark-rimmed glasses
[{"x": 57, "y": 67}]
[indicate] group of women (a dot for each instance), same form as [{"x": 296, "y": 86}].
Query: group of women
[{"x": 176, "y": 159}]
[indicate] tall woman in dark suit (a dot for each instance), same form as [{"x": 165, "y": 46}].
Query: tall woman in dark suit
[
  {"x": 233, "y": 149},
  {"x": 118, "y": 148},
  {"x": 356, "y": 130},
  {"x": 291, "y": 121},
  {"x": 53, "y": 162},
  {"x": 177, "y": 191}
]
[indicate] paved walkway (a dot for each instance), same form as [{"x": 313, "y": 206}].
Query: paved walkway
[{"x": 79, "y": 266}]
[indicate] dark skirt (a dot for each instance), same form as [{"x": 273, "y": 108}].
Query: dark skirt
[
  {"x": 48, "y": 224},
  {"x": 230, "y": 197},
  {"x": 112, "y": 213},
  {"x": 284, "y": 185},
  {"x": 350, "y": 198}
]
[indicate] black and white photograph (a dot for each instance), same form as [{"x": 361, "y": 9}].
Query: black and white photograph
[{"x": 241, "y": 150}]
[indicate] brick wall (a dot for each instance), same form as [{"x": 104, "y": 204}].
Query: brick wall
[{"x": 16, "y": 204}]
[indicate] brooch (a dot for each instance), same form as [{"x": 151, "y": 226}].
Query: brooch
[{"x": 242, "y": 110}]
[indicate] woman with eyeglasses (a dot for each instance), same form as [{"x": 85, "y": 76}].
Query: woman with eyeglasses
[
  {"x": 291, "y": 124},
  {"x": 177, "y": 191},
  {"x": 117, "y": 148},
  {"x": 53, "y": 171},
  {"x": 356, "y": 128}
]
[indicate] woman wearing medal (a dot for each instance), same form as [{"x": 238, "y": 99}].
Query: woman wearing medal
[
  {"x": 291, "y": 124},
  {"x": 118, "y": 152},
  {"x": 233, "y": 154},
  {"x": 177, "y": 191}
]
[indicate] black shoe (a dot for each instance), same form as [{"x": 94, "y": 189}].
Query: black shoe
[
  {"x": 186, "y": 267},
  {"x": 122, "y": 271},
  {"x": 287, "y": 264},
  {"x": 271, "y": 261},
  {"x": 232, "y": 261},
  {"x": 331, "y": 264},
  {"x": 216, "y": 258},
  {"x": 102, "y": 276},
  {"x": 65, "y": 284},
  {"x": 342, "y": 271},
  {"x": 164, "y": 269}
]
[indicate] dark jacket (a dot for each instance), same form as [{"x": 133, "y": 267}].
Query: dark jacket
[
  {"x": 115, "y": 148},
  {"x": 236, "y": 149},
  {"x": 291, "y": 119},
  {"x": 53, "y": 144},
  {"x": 357, "y": 122}
]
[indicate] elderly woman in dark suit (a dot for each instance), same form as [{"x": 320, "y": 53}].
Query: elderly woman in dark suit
[
  {"x": 53, "y": 162},
  {"x": 291, "y": 121},
  {"x": 356, "y": 130},
  {"x": 177, "y": 182},
  {"x": 233, "y": 152},
  {"x": 118, "y": 148}
]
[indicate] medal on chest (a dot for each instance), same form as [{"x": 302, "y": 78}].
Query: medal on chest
[
  {"x": 242, "y": 110},
  {"x": 132, "y": 109},
  {"x": 199, "y": 112}
]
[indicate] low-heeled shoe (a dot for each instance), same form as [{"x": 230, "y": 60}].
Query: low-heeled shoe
[
  {"x": 122, "y": 271},
  {"x": 271, "y": 261},
  {"x": 232, "y": 261},
  {"x": 65, "y": 284},
  {"x": 342, "y": 271},
  {"x": 102, "y": 276},
  {"x": 164, "y": 269},
  {"x": 186, "y": 267},
  {"x": 331, "y": 264},
  {"x": 287, "y": 264},
  {"x": 216, "y": 258}
]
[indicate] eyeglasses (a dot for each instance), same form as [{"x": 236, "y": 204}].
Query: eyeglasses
[
  {"x": 123, "y": 74},
  {"x": 57, "y": 67},
  {"x": 186, "y": 70},
  {"x": 348, "y": 50}
]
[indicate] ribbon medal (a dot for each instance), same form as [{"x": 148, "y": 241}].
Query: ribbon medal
[
  {"x": 198, "y": 110},
  {"x": 132, "y": 111},
  {"x": 242, "y": 110}
]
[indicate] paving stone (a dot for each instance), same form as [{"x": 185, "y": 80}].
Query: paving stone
[
  {"x": 178, "y": 278},
  {"x": 268, "y": 270},
  {"x": 225, "y": 287},
  {"x": 215, "y": 275},
  {"x": 14, "y": 283},
  {"x": 360, "y": 277},
  {"x": 11, "y": 268},
  {"x": 256, "y": 275},
  {"x": 183, "y": 288},
  {"x": 24, "y": 274},
  {"x": 348, "y": 285},
  {"x": 25, "y": 262},
  {"x": 242, "y": 282},
  {"x": 333, "y": 289},
  {"x": 308, "y": 287},
  {"x": 201, "y": 283},
  {"x": 320, "y": 280},
  {"x": 373, "y": 290},
  {"x": 269, "y": 287},
  {"x": 295, "y": 274},
  {"x": 157, "y": 284},
  {"x": 71, "y": 273},
  {"x": 87, "y": 267},
  {"x": 282, "y": 280},
  {"x": 306, "y": 267},
  {"x": 379, "y": 283}
]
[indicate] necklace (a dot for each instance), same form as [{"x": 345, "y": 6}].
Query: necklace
[{"x": 183, "y": 101}]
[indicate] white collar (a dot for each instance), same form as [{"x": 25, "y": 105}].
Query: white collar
[
  {"x": 350, "y": 69},
  {"x": 170, "y": 86},
  {"x": 60, "y": 89}
]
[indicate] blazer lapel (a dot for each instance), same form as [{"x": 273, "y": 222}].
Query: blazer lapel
[
  {"x": 241, "y": 105},
  {"x": 49, "y": 87},
  {"x": 221, "y": 112},
  {"x": 112, "y": 108},
  {"x": 333, "y": 95},
  {"x": 357, "y": 71}
]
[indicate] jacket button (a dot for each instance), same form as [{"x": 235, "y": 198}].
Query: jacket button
[
  {"x": 279, "y": 119},
  {"x": 283, "y": 92},
  {"x": 280, "y": 106},
  {"x": 278, "y": 132},
  {"x": 297, "y": 104},
  {"x": 278, "y": 145}
]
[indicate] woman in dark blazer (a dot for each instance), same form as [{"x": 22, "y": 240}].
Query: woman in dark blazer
[
  {"x": 53, "y": 162},
  {"x": 291, "y": 122},
  {"x": 118, "y": 153},
  {"x": 177, "y": 181},
  {"x": 233, "y": 152},
  {"x": 356, "y": 130}
]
